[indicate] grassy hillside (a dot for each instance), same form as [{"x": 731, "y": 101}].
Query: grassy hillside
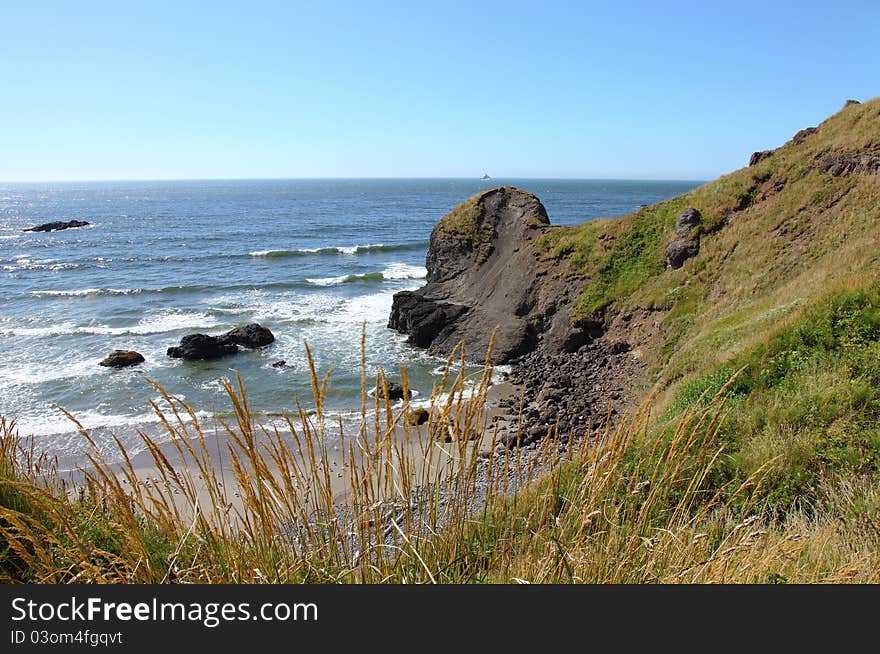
[
  {"x": 774, "y": 236},
  {"x": 757, "y": 459}
]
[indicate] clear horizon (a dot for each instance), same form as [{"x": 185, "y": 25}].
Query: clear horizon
[
  {"x": 682, "y": 91},
  {"x": 342, "y": 179}
]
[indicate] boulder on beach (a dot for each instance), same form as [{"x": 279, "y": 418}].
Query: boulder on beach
[
  {"x": 57, "y": 225},
  {"x": 122, "y": 359},
  {"x": 417, "y": 417},
  {"x": 200, "y": 347}
]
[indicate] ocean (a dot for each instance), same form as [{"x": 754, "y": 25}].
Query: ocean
[{"x": 313, "y": 260}]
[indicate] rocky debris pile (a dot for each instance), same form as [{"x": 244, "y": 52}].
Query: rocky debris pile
[
  {"x": 200, "y": 347},
  {"x": 57, "y": 225},
  {"x": 122, "y": 359},
  {"x": 682, "y": 249},
  {"x": 578, "y": 391}
]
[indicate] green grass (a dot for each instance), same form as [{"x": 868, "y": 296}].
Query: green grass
[
  {"x": 807, "y": 402},
  {"x": 464, "y": 223}
]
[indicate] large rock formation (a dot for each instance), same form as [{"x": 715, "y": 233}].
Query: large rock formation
[
  {"x": 482, "y": 274},
  {"x": 200, "y": 347},
  {"x": 251, "y": 335}
]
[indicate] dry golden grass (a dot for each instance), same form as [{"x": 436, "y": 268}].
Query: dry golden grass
[{"x": 635, "y": 507}]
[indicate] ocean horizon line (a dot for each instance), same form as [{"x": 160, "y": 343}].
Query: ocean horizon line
[{"x": 345, "y": 179}]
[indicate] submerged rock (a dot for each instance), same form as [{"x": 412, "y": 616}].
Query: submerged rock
[
  {"x": 58, "y": 225},
  {"x": 122, "y": 359}
]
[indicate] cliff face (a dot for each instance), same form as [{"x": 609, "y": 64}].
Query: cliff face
[{"x": 482, "y": 274}]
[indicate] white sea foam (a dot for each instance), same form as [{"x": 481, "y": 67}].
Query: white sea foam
[
  {"x": 394, "y": 271},
  {"x": 341, "y": 249},
  {"x": 404, "y": 271},
  {"x": 158, "y": 323},
  {"x": 33, "y": 372},
  {"x": 327, "y": 281},
  {"x": 64, "y": 440},
  {"x": 373, "y": 308}
]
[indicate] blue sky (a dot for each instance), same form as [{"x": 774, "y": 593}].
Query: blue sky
[{"x": 644, "y": 90}]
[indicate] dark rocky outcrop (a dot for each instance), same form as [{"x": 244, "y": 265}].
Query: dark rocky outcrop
[
  {"x": 567, "y": 335},
  {"x": 680, "y": 251},
  {"x": 803, "y": 135},
  {"x": 850, "y": 103},
  {"x": 58, "y": 225},
  {"x": 758, "y": 157},
  {"x": 200, "y": 347},
  {"x": 481, "y": 275},
  {"x": 395, "y": 391},
  {"x": 687, "y": 220},
  {"x": 855, "y": 163},
  {"x": 251, "y": 335},
  {"x": 423, "y": 318},
  {"x": 280, "y": 364},
  {"x": 122, "y": 359}
]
